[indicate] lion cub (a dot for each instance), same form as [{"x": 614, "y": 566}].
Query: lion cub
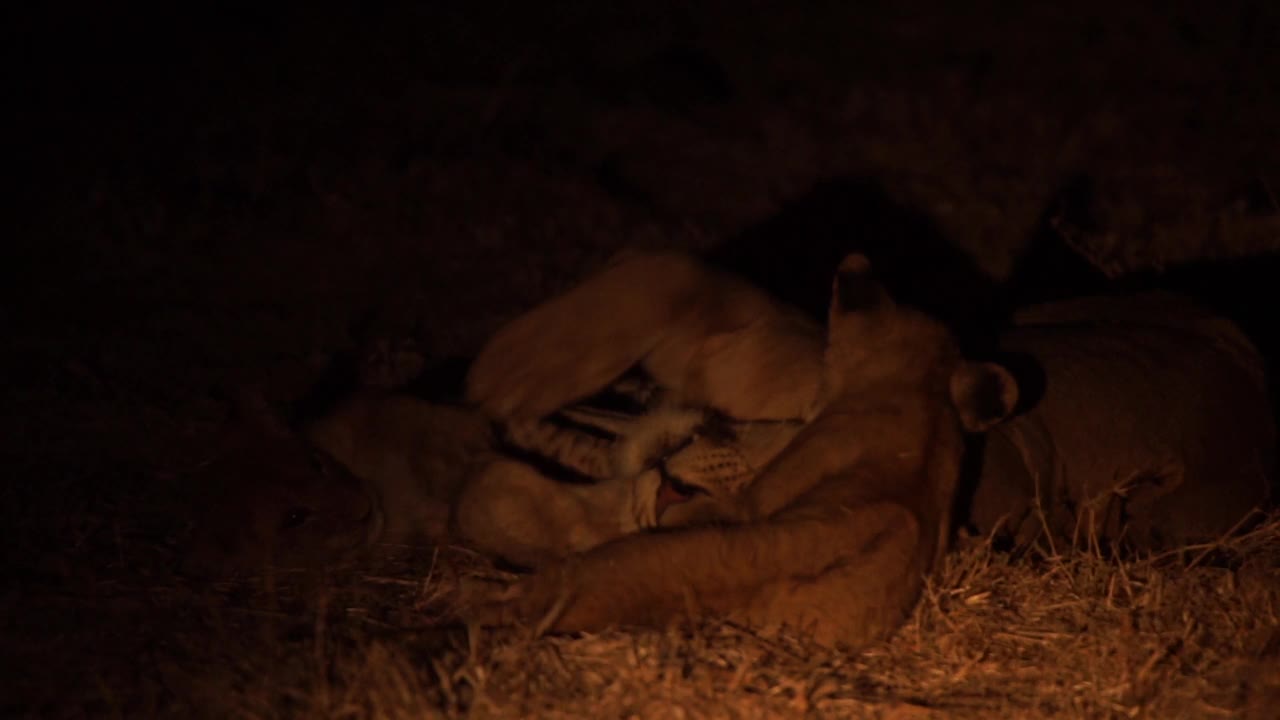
[
  {"x": 556, "y": 487},
  {"x": 514, "y": 507},
  {"x": 1146, "y": 424},
  {"x": 379, "y": 468},
  {"x": 835, "y": 535}
]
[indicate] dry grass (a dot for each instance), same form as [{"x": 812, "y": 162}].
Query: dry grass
[
  {"x": 1187, "y": 634},
  {"x": 1046, "y": 635}
]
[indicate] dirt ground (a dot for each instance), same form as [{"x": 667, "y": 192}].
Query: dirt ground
[{"x": 203, "y": 199}]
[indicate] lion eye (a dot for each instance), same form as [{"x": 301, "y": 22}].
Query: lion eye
[{"x": 295, "y": 516}]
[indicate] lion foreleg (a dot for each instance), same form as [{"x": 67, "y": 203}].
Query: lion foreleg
[
  {"x": 580, "y": 341},
  {"x": 845, "y": 575},
  {"x": 510, "y": 510},
  {"x": 700, "y": 333}
]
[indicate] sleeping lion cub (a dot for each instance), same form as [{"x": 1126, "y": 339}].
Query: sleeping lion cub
[
  {"x": 514, "y": 507},
  {"x": 379, "y": 468},
  {"x": 581, "y": 477},
  {"x": 835, "y": 536}
]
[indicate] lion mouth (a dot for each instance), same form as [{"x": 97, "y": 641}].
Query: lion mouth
[{"x": 671, "y": 491}]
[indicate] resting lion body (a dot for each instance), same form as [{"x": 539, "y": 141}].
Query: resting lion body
[
  {"x": 834, "y": 536},
  {"x": 702, "y": 334},
  {"x": 1153, "y": 427},
  {"x": 514, "y": 507},
  {"x": 383, "y": 467},
  {"x": 379, "y": 468}
]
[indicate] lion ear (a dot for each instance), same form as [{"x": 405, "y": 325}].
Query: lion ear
[
  {"x": 855, "y": 288},
  {"x": 984, "y": 394}
]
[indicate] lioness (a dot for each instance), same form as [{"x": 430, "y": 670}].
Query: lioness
[
  {"x": 385, "y": 467},
  {"x": 1149, "y": 428},
  {"x": 1152, "y": 429},
  {"x": 835, "y": 536},
  {"x": 1151, "y": 424}
]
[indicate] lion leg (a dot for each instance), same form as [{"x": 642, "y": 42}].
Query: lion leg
[
  {"x": 846, "y": 606},
  {"x": 510, "y": 510},
  {"x": 653, "y": 309},
  {"x": 1175, "y": 507},
  {"x": 578, "y": 342},
  {"x": 845, "y": 574}
]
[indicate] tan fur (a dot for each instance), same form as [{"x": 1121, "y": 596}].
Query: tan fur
[
  {"x": 834, "y": 537},
  {"x": 509, "y": 510},
  {"x": 721, "y": 465},
  {"x": 703, "y": 334},
  {"x": 1155, "y": 427},
  {"x": 639, "y": 439},
  {"x": 585, "y": 454},
  {"x": 651, "y": 439},
  {"x": 379, "y": 468},
  {"x": 1154, "y": 430}
]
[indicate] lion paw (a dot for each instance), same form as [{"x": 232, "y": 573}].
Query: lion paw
[
  {"x": 533, "y": 601},
  {"x": 531, "y": 369}
]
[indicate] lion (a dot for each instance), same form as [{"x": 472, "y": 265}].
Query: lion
[
  {"x": 386, "y": 467},
  {"x": 589, "y": 473},
  {"x": 1152, "y": 429},
  {"x": 702, "y": 334},
  {"x": 551, "y": 491},
  {"x": 379, "y": 468},
  {"x": 554, "y": 490},
  {"x": 835, "y": 536}
]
